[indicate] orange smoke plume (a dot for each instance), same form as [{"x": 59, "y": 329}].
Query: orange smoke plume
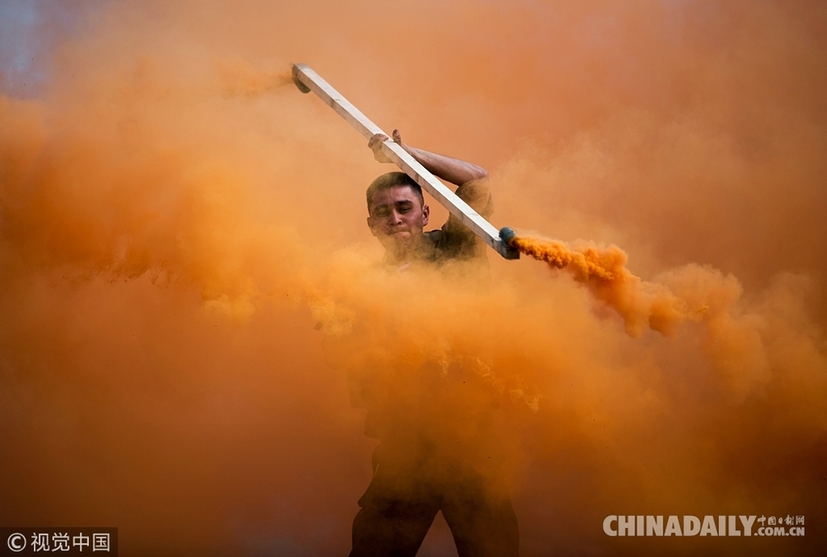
[
  {"x": 603, "y": 271},
  {"x": 239, "y": 78},
  {"x": 188, "y": 283}
]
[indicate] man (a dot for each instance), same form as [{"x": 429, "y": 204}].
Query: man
[
  {"x": 397, "y": 214},
  {"x": 437, "y": 448}
]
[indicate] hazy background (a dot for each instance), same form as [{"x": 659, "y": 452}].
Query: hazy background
[{"x": 175, "y": 221}]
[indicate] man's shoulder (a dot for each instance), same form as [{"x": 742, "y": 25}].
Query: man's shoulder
[
  {"x": 453, "y": 241},
  {"x": 432, "y": 237}
]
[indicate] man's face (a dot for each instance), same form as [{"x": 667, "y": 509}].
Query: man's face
[{"x": 397, "y": 218}]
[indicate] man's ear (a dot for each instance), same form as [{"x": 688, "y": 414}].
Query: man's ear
[
  {"x": 370, "y": 225},
  {"x": 426, "y": 211}
]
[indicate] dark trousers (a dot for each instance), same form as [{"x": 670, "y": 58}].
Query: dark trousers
[{"x": 401, "y": 503}]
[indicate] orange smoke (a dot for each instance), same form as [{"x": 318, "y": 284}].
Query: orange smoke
[
  {"x": 240, "y": 78},
  {"x": 187, "y": 279},
  {"x": 603, "y": 271}
]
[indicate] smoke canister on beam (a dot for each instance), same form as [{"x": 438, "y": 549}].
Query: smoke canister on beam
[{"x": 507, "y": 235}]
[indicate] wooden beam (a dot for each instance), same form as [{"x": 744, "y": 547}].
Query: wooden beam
[{"x": 307, "y": 80}]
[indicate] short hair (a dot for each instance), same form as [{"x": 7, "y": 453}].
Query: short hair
[{"x": 391, "y": 180}]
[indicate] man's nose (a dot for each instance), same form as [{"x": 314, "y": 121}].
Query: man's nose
[{"x": 396, "y": 217}]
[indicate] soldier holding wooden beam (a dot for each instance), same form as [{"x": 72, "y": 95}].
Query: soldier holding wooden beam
[{"x": 425, "y": 463}]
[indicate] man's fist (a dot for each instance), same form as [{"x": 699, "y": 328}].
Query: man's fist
[
  {"x": 375, "y": 145},
  {"x": 376, "y": 142}
]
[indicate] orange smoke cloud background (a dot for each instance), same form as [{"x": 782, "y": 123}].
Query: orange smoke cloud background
[{"x": 181, "y": 230}]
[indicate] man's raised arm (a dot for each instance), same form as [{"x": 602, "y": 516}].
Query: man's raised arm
[{"x": 472, "y": 180}]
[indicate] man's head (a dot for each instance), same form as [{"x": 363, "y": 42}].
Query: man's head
[{"x": 397, "y": 213}]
